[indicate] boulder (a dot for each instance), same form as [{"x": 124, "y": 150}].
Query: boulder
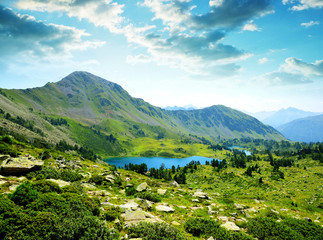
[
  {"x": 163, "y": 208},
  {"x": 60, "y": 183},
  {"x": 110, "y": 178},
  {"x": 238, "y": 206},
  {"x": 201, "y": 194},
  {"x": 162, "y": 191},
  {"x": 142, "y": 187},
  {"x": 134, "y": 217},
  {"x": 230, "y": 226},
  {"x": 174, "y": 184},
  {"x": 20, "y": 165},
  {"x": 131, "y": 205}
]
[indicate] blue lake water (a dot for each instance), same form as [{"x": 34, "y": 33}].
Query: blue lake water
[
  {"x": 248, "y": 153},
  {"x": 155, "y": 162}
]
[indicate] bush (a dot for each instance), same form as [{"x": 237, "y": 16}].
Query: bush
[
  {"x": 149, "y": 196},
  {"x": 70, "y": 176},
  {"x": 46, "y": 172},
  {"x": 268, "y": 228},
  {"x": 309, "y": 230},
  {"x": 154, "y": 231},
  {"x": 130, "y": 191},
  {"x": 73, "y": 188},
  {"x": 45, "y": 186},
  {"x": 7, "y": 139},
  {"x": 97, "y": 179},
  {"x": 24, "y": 194},
  {"x": 112, "y": 213},
  {"x": 200, "y": 226}
]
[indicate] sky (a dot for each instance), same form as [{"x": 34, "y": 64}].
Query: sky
[{"x": 251, "y": 55}]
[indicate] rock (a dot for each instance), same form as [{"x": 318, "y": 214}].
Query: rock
[
  {"x": 210, "y": 238},
  {"x": 162, "y": 191},
  {"x": 201, "y": 194},
  {"x": 142, "y": 187},
  {"x": 195, "y": 200},
  {"x": 307, "y": 219},
  {"x": 134, "y": 217},
  {"x": 131, "y": 205},
  {"x": 257, "y": 201},
  {"x": 88, "y": 186},
  {"x": 20, "y": 165},
  {"x": 252, "y": 210},
  {"x": 274, "y": 211},
  {"x": 2, "y": 182},
  {"x": 234, "y": 214},
  {"x": 223, "y": 218},
  {"x": 230, "y": 226},
  {"x": 4, "y": 157},
  {"x": 238, "y": 206},
  {"x": 146, "y": 204},
  {"x": 13, "y": 188},
  {"x": 122, "y": 191},
  {"x": 175, "y": 223},
  {"x": 174, "y": 184},
  {"x": 110, "y": 178},
  {"x": 163, "y": 208},
  {"x": 210, "y": 211},
  {"x": 60, "y": 183},
  {"x": 129, "y": 185}
]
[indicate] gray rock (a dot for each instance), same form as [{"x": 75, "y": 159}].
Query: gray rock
[
  {"x": 162, "y": 191},
  {"x": 60, "y": 183},
  {"x": 163, "y": 208},
  {"x": 238, "y": 206},
  {"x": 201, "y": 194},
  {"x": 110, "y": 178},
  {"x": 142, "y": 187},
  {"x": 134, "y": 217},
  {"x": 230, "y": 226},
  {"x": 174, "y": 184},
  {"x": 131, "y": 205},
  {"x": 20, "y": 165},
  {"x": 307, "y": 219}
]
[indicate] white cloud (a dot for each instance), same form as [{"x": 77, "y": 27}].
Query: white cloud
[
  {"x": 105, "y": 13},
  {"x": 309, "y": 24},
  {"x": 294, "y": 71},
  {"x": 263, "y": 60},
  {"x": 24, "y": 36},
  {"x": 251, "y": 26},
  {"x": 216, "y": 3},
  {"x": 304, "y": 4}
]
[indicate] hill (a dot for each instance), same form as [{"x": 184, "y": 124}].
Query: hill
[
  {"x": 308, "y": 129},
  {"x": 283, "y": 116},
  {"x": 88, "y": 110}
]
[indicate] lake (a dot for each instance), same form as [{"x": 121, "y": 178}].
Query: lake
[
  {"x": 248, "y": 153},
  {"x": 155, "y": 162}
]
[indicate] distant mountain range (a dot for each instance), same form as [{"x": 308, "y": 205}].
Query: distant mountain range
[
  {"x": 186, "y": 107},
  {"x": 283, "y": 116},
  {"x": 308, "y": 129},
  {"x": 96, "y": 108}
]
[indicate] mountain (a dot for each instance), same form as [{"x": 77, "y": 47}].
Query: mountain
[
  {"x": 104, "y": 117},
  {"x": 308, "y": 129},
  {"x": 186, "y": 107},
  {"x": 278, "y": 118}
]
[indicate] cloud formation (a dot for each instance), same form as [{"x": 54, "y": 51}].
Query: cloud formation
[
  {"x": 304, "y": 4},
  {"x": 310, "y": 23},
  {"x": 25, "y": 36},
  {"x": 105, "y": 13},
  {"x": 251, "y": 26},
  {"x": 294, "y": 71}
]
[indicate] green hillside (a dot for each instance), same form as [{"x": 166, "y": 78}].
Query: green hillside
[{"x": 102, "y": 116}]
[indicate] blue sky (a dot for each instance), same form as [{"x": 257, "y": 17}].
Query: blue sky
[{"x": 253, "y": 55}]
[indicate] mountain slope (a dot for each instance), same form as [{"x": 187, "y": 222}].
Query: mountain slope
[
  {"x": 278, "y": 118},
  {"x": 96, "y": 108},
  {"x": 308, "y": 129}
]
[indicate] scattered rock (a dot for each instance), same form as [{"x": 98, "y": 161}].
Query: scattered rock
[
  {"x": 175, "y": 223},
  {"x": 238, "y": 206},
  {"x": 134, "y": 217},
  {"x": 131, "y": 205},
  {"x": 307, "y": 219},
  {"x": 223, "y": 218},
  {"x": 162, "y": 191},
  {"x": 163, "y": 208},
  {"x": 20, "y": 165},
  {"x": 230, "y": 226},
  {"x": 110, "y": 178},
  {"x": 4, "y": 157},
  {"x": 201, "y": 194},
  {"x": 142, "y": 187},
  {"x": 195, "y": 200},
  {"x": 88, "y": 186},
  {"x": 146, "y": 204},
  {"x": 13, "y": 188},
  {"x": 174, "y": 184},
  {"x": 210, "y": 238},
  {"x": 60, "y": 183}
]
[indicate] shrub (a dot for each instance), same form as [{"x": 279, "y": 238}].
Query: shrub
[
  {"x": 149, "y": 196},
  {"x": 200, "y": 226},
  {"x": 70, "y": 176},
  {"x": 130, "y": 191},
  {"x": 268, "y": 228},
  {"x": 309, "y": 230},
  {"x": 24, "y": 194},
  {"x": 73, "y": 188},
  {"x": 112, "y": 213},
  {"x": 45, "y": 186},
  {"x": 7, "y": 139},
  {"x": 97, "y": 179},
  {"x": 155, "y": 231}
]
